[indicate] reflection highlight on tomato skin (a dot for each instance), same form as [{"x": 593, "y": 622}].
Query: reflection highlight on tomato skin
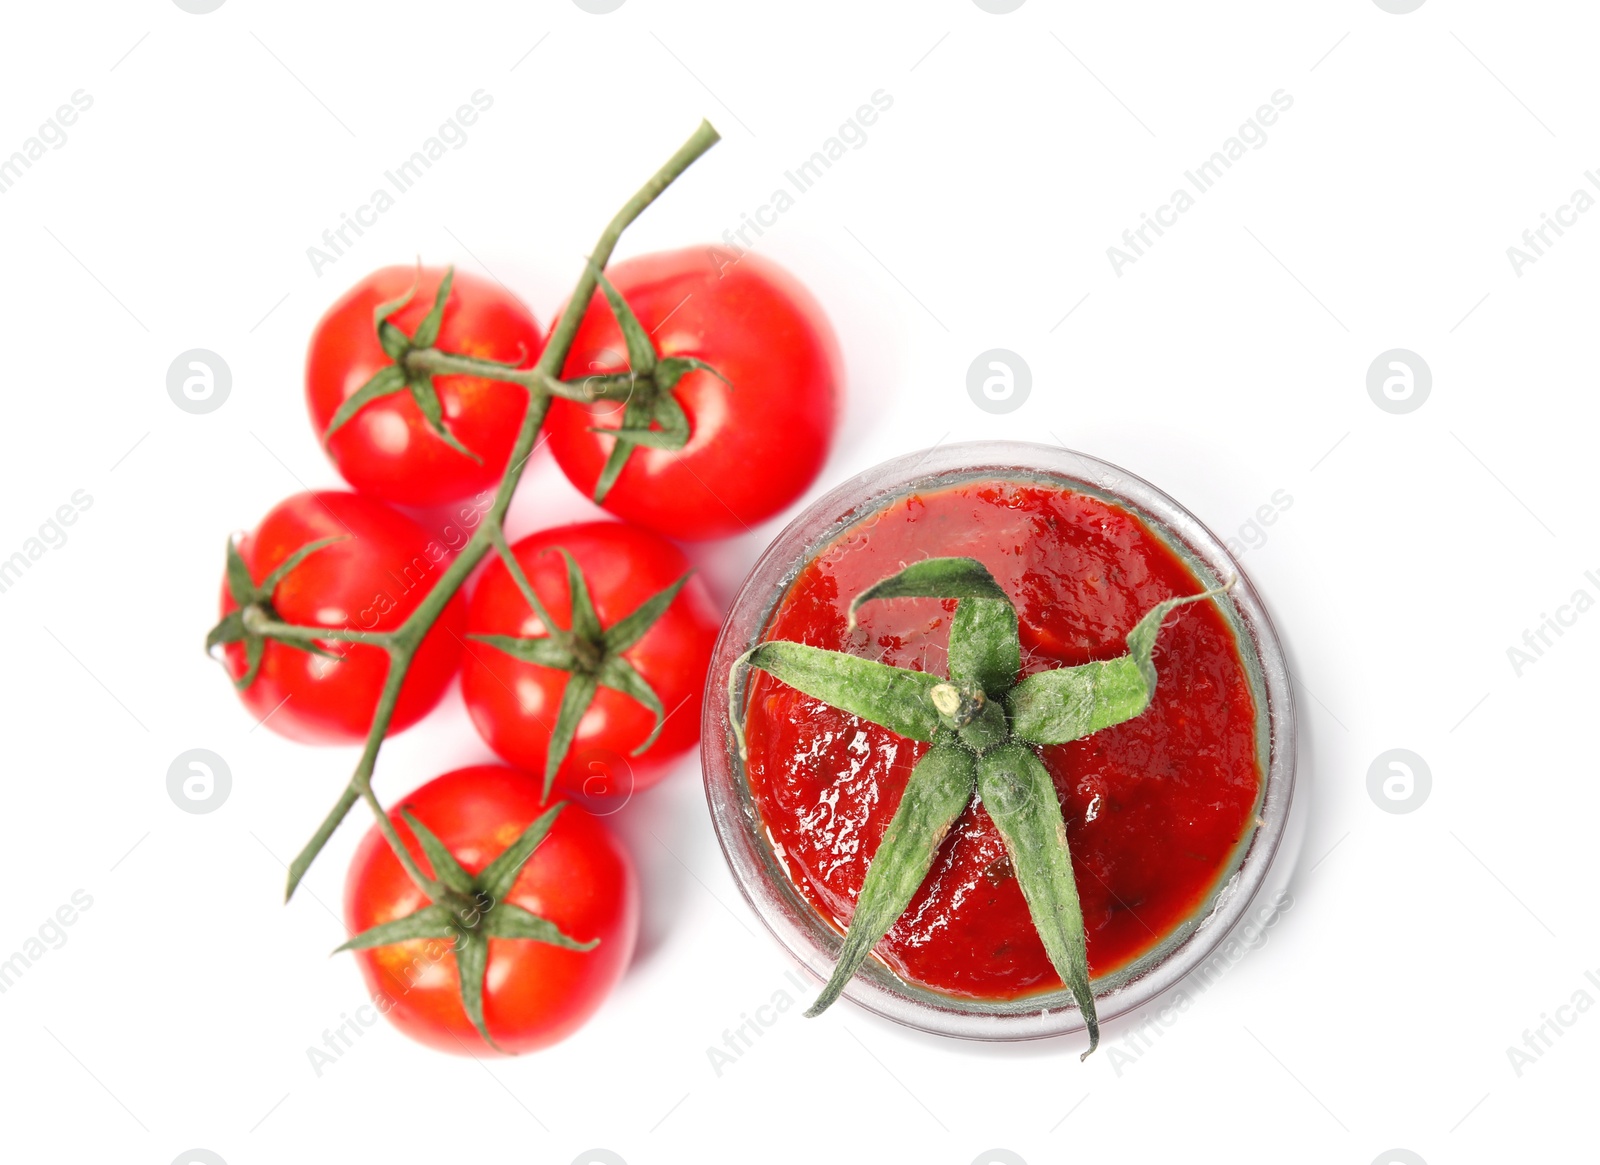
[{"x": 1154, "y": 807}]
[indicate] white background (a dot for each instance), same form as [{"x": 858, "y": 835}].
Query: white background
[{"x": 1226, "y": 364}]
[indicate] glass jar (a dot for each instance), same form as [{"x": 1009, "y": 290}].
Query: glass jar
[{"x": 812, "y": 939}]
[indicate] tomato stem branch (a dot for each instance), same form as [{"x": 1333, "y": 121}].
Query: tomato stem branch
[
  {"x": 544, "y": 384},
  {"x": 433, "y": 362},
  {"x": 429, "y": 886},
  {"x": 259, "y": 622}
]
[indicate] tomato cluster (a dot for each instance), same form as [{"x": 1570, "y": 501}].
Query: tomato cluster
[{"x": 698, "y": 398}]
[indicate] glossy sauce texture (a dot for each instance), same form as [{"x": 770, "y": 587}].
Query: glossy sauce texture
[{"x": 1154, "y": 807}]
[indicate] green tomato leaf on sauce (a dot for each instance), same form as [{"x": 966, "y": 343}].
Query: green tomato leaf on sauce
[
  {"x": 894, "y": 697},
  {"x": 984, "y": 649},
  {"x": 935, "y": 578},
  {"x": 1020, "y": 798},
  {"x": 1053, "y": 707},
  {"x": 938, "y": 790}
]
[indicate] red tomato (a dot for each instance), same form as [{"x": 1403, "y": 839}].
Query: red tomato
[
  {"x": 753, "y": 447},
  {"x": 370, "y": 581},
  {"x": 580, "y": 878},
  {"x": 514, "y": 703},
  {"x": 388, "y": 449}
]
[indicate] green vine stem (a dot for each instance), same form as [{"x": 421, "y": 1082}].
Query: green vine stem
[
  {"x": 543, "y": 383},
  {"x": 612, "y": 386},
  {"x": 258, "y": 622}
]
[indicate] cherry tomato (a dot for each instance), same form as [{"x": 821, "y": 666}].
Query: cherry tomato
[
  {"x": 579, "y": 878},
  {"x": 755, "y": 442},
  {"x": 371, "y": 580},
  {"x": 389, "y": 449},
  {"x": 515, "y": 704}
]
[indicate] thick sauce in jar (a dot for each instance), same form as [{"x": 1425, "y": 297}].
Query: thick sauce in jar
[{"x": 1154, "y": 807}]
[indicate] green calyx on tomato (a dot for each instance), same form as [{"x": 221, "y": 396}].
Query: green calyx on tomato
[
  {"x": 469, "y": 911},
  {"x": 593, "y": 655},
  {"x": 399, "y": 347},
  {"x": 652, "y": 416},
  {"x": 255, "y": 612},
  {"x": 982, "y": 724}
]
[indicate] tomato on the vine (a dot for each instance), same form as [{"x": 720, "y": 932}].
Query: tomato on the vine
[
  {"x": 356, "y": 565},
  {"x": 389, "y": 447},
  {"x": 761, "y": 410},
  {"x": 576, "y": 889},
  {"x": 627, "y": 659}
]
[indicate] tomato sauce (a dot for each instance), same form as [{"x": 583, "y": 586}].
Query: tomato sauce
[{"x": 1155, "y": 807}]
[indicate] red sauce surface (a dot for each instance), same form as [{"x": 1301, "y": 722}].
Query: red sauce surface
[{"x": 1154, "y": 806}]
